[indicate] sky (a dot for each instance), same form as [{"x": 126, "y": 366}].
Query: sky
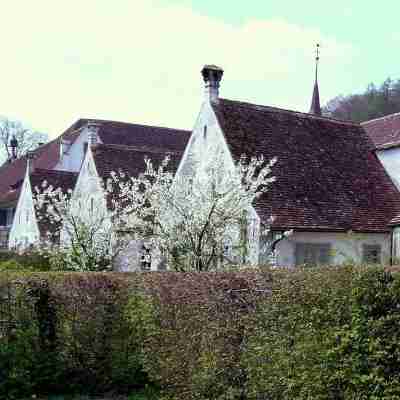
[{"x": 139, "y": 61}]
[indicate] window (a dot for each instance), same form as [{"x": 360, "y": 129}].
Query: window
[
  {"x": 10, "y": 216},
  {"x": 396, "y": 244},
  {"x": 371, "y": 254},
  {"x": 205, "y": 132},
  {"x": 3, "y": 217},
  {"x": 313, "y": 253}
]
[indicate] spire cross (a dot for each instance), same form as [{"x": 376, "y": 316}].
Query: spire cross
[{"x": 316, "y": 61}]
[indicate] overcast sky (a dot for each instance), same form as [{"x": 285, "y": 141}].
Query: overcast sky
[{"x": 140, "y": 60}]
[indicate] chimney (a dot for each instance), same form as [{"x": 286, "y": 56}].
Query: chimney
[
  {"x": 92, "y": 133},
  {"x": 14, "y": 148},
  {"x": 212, "y": 76},
  {"x": 30, "y": 155},
  {"x": 64, "y": 147}
]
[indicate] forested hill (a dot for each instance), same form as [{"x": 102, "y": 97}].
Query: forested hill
[{"x": 375, "y": 102}]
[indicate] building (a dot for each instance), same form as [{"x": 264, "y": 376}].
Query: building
[
  {"x": 331, "y": 189},
  {"x": 66, "y": 153},
  {"x": 384, "y": 133}
]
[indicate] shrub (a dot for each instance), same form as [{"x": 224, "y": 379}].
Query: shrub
[
  {"x": 320, "y": 333},
  {"x": 59, "y": 328},
  {"x": 327, "y": 334},
  {"x": 194, "y": 331},
  {"x": 29, "y": 261}
]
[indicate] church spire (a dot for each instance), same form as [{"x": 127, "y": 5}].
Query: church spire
[{"x": 315, "y": 104}]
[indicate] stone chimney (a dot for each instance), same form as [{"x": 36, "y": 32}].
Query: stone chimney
[
  {"x": 64, "y": 147},
  {"x": 212, "y": 76},
  {"x": 14, "y": 148},
  {"x": 92, "y": 129}
]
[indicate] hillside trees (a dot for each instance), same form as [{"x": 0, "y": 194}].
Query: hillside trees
[{"x": 374, "y": 102}]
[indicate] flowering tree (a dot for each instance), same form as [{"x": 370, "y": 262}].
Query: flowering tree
[
  {"x": 77, "y": 239},
  {"x": 198, "y": 221}
]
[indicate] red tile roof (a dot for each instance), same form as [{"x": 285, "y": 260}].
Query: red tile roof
[
  {"x": 47, "y": 157},
  {"x": 110, "y": 132},
  {"x": 384, "y": 131},
  {"x": 130, "y": 159},
  {"x": 328, "y": 177}
]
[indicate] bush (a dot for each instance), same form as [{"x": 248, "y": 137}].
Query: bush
[
  {"x": 327, "y": 334},
  {"x": 320, "y": 333},
  {"x": 29, "y": 261},
  {"x": 58, "y": 328},
  {"x": 194, "y": 329}
]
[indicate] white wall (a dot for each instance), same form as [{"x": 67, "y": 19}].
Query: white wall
[
  {"x": 72, "y": 159},
  {"x": 207, "y": 140},
  {"x": 345, "y": 247},
  {"x": 87, "y": 190},
  {"x": 25, "y": 230},
  {"x": 390, "y": 159}
]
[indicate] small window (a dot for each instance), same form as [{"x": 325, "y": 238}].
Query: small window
[
  {"x": 91, "y": 205},
  {"x": 371, "y": 254},
  {"x": 313, "y": 254},
  {"x": 3, "y": 217},
  {"x": 205, "y": 132},
  {"x": 85, "y": 146}
]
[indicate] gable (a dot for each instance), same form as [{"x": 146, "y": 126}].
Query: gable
[
  {"x": 384, "y": 132},
  {"x": 25, "y": 229}
]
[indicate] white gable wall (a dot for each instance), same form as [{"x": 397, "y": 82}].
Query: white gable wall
[
  {"x": 25, "y": 230},
  {"x": 344, "y": 247},
  {"x": 88, "y": 199},
  {"x": 390, "y": 159},
  {"x": 73, "y": 158},
  {"x": 207, "y": 139}
]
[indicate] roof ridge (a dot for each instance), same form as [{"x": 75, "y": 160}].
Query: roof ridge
[
  {"x": 298, "y": 113},
  {"x": 53, "y": 171},
  {"x": 132, "y": 124},
  {"x": 124, "y": 147},
  {"x": 379, "y": 118}
]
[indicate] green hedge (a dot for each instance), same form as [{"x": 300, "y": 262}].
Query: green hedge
[{"x": 328, "y": 333}]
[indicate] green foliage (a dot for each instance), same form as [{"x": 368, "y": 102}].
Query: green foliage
[
  {"x": 29, "y": 261},
  {"x": 327, "y": 334},
  {"x": 373, "y": 103},
  {"x": 321, "y": 333},
  {"x": 58, "y": 328}
]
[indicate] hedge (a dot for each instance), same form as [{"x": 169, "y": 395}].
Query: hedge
[{"x": 327, "y": 333}]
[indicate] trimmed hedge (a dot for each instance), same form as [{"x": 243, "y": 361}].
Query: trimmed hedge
[{"x": 328, "y": 333}]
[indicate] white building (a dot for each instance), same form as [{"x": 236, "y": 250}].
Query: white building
[{"x": 331, "y": 189}]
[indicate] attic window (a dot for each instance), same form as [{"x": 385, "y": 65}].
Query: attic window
[{"x": 205, "y": 132}]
